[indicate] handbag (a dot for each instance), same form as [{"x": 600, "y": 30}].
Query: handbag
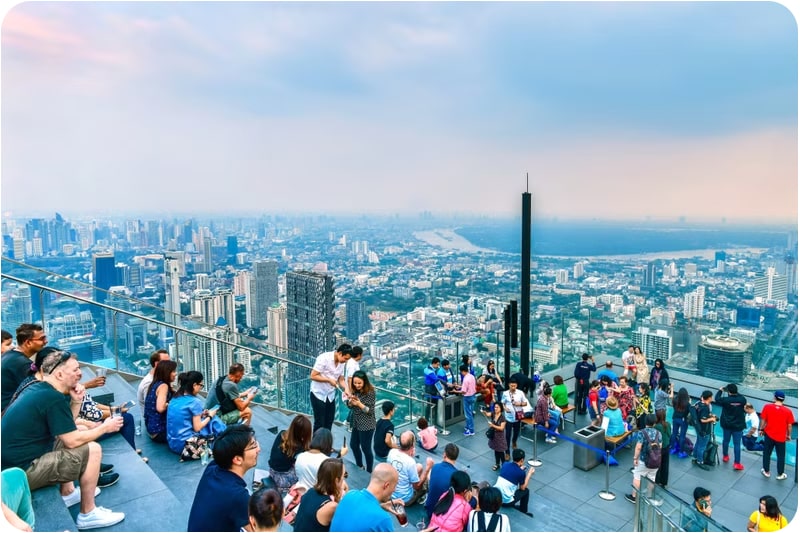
[
  {"x": 519, "y": 415},
  {"x": 193, "y": 448},
  {"x": 490, "y": 433},
  {"x": 296, "y": 494}
]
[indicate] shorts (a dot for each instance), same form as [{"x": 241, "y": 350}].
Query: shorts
[
  {"x": 640, "y": 468},
  {"x": 231, "y": 417},
  {"x": 59, "y": 466}
]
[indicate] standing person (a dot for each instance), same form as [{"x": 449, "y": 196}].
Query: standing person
[
  {"x": 732, "y": 422},
  {"x": 513, "y": 401},
  {"x": 288, "y": 444},
  {"x": 768, "y": 517},
  {"x": 319, "y": 503},
  {"x": 326, "y": 377},
  {"x": 662, "y": 395},
  {"x": 369, "y": 509},
  {"x": 662, "y": 476},
  {"x": 467, "y": 360},
  {"x": 384, "y": 433},
  {"x": 468, "y": 390},
  {"x": 362, "y": 405},
  {"x": 439, "y": 479},
  {"x": 695, "y": 518},
  {"x": 647, "y": 438},
  {"x": 643, "y": 404},
  {"x": 233, "y": 405},
  {"x": 488, "y": 518},
  {"x": 513, "y": 482},
  {"x": 680, "y": 408},
  {"x": 750, "y": 438},
  {"x": 158, "y": 396},
  {"x": 16, "y": 362},
  {"x": 221, "y": 500},
  {"x": 704, "y": 427},
  {"x": 497, "y": 442},
  {"x": 776, "y": 427},
  {"x": 412, "y": 477},
  {"x": 352, "y": 366},
  {"x": 7, "y": 342},
  {"x": 144, "y": 385},
  {"x": 657, "y": 374},
  {"x": 450, "y": 378},
  {"x": 583, "y": 375},
  {"x": 41, "y": 438},
  {"x": 642, "y": 373}
]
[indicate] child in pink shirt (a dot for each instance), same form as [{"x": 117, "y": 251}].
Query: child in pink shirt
[{"x": 427, "y": 435}]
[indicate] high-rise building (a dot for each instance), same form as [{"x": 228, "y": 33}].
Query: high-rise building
[
  {"x": 115, "y": 331},
  {"x": 227, "y": 306},
  {"x": 720, "y": 256},
  {"x": 203, "y": 351},
  {"x": 19, "y": 249},
  {"x": 277, "y": 328},
  {"x": 723, "y": 358},
  {"x": 309, "y": 317},
  {"x": 562, "y": 276},
  {"x": 577, "y": 270},
  {"x": 690, "y": 269},
  {"x": 357, "y": 319},
  {"x": 104, "y": 274},
  {"x": 693, "y": 303},
  {"x": 202, "y": 281},
  {"x": 771, "y": 286},
  {"x": 262, "y": 291},
  {"x": 18, "y": 309},
  {"x": 233, "y": 246},
  {"x": 208, "y": 266},
  {"x": 172, "y": 291},
  {"x": 749, "y": 317},
  {"x": 650, "y": 274},
  {"x": 655, "y": 343}
]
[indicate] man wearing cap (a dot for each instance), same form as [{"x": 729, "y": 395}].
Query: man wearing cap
[
  {"x": 776, "y": 427},
  {"x": 583, "y": 375}
]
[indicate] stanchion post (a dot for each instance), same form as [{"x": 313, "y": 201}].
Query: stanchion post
[
  {"x": 607, "y": 494},
  {"x": 535, "y": 460}
]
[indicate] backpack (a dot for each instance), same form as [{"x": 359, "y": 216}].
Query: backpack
[
  {"x": 492, "y": 522},
  {"x": 652, "y": 449},
  {"x": 693, "y": 418},
  {"x": 226, "y": 405}
]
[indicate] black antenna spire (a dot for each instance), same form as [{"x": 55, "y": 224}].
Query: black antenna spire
[{"x": 526, "y": 183}]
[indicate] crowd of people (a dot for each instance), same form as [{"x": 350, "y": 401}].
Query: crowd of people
[{"x": 56, "y": 423}]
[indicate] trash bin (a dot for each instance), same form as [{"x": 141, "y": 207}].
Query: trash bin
[{"x": 585, "y": 458}]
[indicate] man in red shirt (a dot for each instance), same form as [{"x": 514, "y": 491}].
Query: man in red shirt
[{"x": 776, "y": 427}]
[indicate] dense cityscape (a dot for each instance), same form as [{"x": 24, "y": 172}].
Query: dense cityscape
[{"x": 402, "y": 287}]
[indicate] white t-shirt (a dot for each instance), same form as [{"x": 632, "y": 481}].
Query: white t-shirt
[
  {"x": 326, "y": 365},
  {"x": 406, "y": 473},
  {"x": 751, "y": 419},
  {"x": 507, "y": 489},
  {"x": 307, "y": 466},
  {"x": 503, "y": 525},
  {"x": 350, "y": 367},
  {"x": 509, "y": 408},
  {"x": 141, "y": 391}
]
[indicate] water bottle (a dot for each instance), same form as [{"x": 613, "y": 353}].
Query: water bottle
[
  {"x": 204, "y": 455},
  {"x": 139, "y": 428}
]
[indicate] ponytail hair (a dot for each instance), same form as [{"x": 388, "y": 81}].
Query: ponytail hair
[{"x": 459, "y": 483}]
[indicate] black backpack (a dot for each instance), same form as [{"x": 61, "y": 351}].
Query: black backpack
[
  {"x": 693, "y": 418},
  {"x": 226, "y": 405},
  {"x": 492, "y": 522},
  {"x": 652, "y": 449}
]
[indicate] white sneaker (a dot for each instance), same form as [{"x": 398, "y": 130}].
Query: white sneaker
[
  {"x": 99, "y": 517},
  {"x": 74, "y": 497}
]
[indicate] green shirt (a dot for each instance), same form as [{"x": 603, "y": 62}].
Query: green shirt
[
  {"x": 560, "y": 395},
  {"x": 32, "y": 423}
]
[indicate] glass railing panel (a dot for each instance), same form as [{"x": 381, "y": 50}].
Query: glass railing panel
[{"x": 658, "y": 509}]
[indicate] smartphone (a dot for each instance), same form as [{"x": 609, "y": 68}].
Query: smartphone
[
  {"x": 703, "y": 504},
  {"x": 213, "y": 411},
  {"x": 344, "y": 442},
  {"x": 127, "y": 405}
]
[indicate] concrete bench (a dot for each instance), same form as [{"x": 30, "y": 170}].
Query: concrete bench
[{"x": 50, "y": 512}]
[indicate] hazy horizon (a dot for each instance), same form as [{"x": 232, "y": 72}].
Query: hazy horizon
[{"x": 617, "y": 111}]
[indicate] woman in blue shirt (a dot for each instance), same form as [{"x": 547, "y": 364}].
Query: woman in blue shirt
[
  {"x": 616, "y": 427},
  {"x": 186, "y": 416}
]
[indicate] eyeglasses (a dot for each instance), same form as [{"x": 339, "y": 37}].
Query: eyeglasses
[
  {"x": 43, "y": 338},
  {"x": 253, "y": 446},
  {"x": 65, "y": 356}
]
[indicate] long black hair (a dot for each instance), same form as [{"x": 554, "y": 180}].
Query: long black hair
[
  {"x": 459, "y": 483},
  {"x": 771, "y": 507}
]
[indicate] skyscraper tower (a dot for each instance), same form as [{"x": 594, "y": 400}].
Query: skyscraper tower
[
  {"x": 277, "y": 328},
  {"x": 357, "y": 319},
  {"x": 525, "y": 322},
  {"x": 104, "y": 274},
  {"x": 262, "y": 292},
  {"x": 650, "y": 274},
  {"x": 309, "y": 322},
  {"x": 693, "y": 303},
  {"x": 172, "y": 290}
]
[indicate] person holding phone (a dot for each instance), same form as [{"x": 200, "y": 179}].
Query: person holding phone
[
  {"x": 186, "y": 416},
  {"x": 695, "y": 518},
  {"x": 234, "y": 405}
]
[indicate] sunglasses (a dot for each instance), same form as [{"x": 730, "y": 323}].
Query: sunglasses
[{"x": 65, "y": 356}]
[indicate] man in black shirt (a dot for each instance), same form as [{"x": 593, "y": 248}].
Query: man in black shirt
[
  {"x": 384, "y": 433},
  {"x": 583, "y": 378},
  {"x": 705, "y": 419},
  {"x": 732, "y": 422},
  {"x": 16, "y": 363}
]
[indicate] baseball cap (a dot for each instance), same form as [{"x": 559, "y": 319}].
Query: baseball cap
[{"x": 780, "y": 395}]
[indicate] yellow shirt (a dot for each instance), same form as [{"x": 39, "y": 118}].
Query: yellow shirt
[{"x": 765, "y": 523}]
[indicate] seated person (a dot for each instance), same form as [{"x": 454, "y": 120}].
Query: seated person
[
  {"x": 616, "y": 426},
  {"x": 451, "y": 512},
  {"x": 318, "y": 504},
  {"x": 486, "y": 516},
  {"x": 560, "y": 393},
  {"x": 233, "y": 405},
  {"x": 186, "y": 416},
  {"x": 750, "y": 436},
  {"x": 41, "y": 438},
  {"x": 221, "y": 500},
  {"x": 369, "y": 509},
  {"x": 427, "y": 435},
  {"x": 485, "y": 390},
  {"x": 545, "y": 416},
  {"x": 288, "y": 444},
  {"x": 17, "y": 505},
  {"x": 384, "y": 433},
  {"x": 307, "y": 464},
  {"x": 266, "y": 510},
  {"x": 412, "y": 478},
  {"x": 157, "y": 398},
  {"x": 513, "y": 481}
]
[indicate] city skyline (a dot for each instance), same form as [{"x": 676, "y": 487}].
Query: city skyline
[{"x": 224, "y": 108}]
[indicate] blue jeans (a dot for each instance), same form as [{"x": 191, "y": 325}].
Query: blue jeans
[
  {"x": 679, "y": 427},
  {"x": 737, "y": 443},
  {"x": 700, "y": 447},
  {"x": 469, "y": 412},
  {"x": 555, "y": 414}
]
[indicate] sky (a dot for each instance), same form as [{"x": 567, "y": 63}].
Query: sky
[{"x": 614, "y": 110}]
